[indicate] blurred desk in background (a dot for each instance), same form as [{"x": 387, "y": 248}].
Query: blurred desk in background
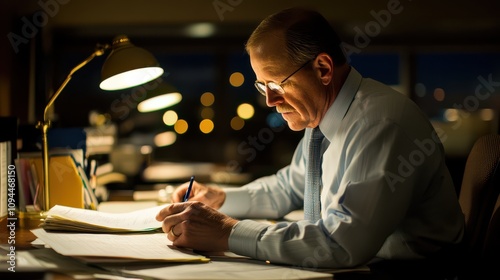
[{"x": 181, "y": 172}]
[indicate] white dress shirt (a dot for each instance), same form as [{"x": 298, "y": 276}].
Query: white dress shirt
[{"x": 386, "y": 191}]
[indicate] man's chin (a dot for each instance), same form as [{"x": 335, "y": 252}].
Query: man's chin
[
  {"x": 291, "y": 120},
  {"x": 294, "y": 126}
]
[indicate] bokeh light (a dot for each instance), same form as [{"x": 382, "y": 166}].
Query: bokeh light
[
  {"x": 207, "y": 113},
  {"x": 487, "y": 114},
  {"x": 237, "y": 123},
  {"x": 275, "y": 120},
  {"x": 166, "y": 138},
  {"x": 170, "y": 117},
  {"x": 439, "y": 94},
  {"x": 206, "y": 126},
  {"x": 236, "y": 79},
  {"x": 207, "y": 99},
  {"x": 181, "y": 126},
  {"x": 245, "y": 111}
]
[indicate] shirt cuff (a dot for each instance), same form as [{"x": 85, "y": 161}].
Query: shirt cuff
[
  {"x": 237, "y": 203},
  {"x": 244, "y": 237}
]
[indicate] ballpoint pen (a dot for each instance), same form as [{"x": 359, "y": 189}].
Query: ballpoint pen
[{"x": 188, "y": 192}]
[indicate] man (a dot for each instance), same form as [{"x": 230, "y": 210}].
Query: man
[{"x": 385, "y": 192}]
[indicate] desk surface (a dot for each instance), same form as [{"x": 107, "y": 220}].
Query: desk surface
[
  {"x": 23, "y": 238},
  {"x": 63, "y": 268}
]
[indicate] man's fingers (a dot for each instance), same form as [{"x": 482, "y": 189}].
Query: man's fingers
[
  {"x": 180, "y": 191},
  {"x": 174, "y": 232},
  {"x": 178, "y": 194},
  {"x": 169, "y": 210},
  {"x": 178, "y": 212}
]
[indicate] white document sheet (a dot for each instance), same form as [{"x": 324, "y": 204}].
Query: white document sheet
[{"x": 140, "y": 246}]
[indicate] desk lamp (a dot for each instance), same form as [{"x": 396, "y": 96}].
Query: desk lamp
[{"x": 125, "y": 67}]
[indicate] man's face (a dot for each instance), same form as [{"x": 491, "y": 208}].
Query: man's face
[{"x": 303, "y": 103}]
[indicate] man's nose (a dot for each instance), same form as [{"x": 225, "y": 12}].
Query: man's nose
[{"x": 273, "y": 98}]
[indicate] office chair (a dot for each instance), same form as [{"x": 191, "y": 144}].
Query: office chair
[{"x": 480, "y": 202}]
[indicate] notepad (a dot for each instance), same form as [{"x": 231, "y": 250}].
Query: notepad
[{"x": 63, "y": 218}]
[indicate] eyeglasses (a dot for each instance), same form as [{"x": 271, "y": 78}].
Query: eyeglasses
[{"x": 261, "y": 87}]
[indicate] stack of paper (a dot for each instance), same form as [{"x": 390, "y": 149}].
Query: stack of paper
[
  {"x": 140, "y": 246},
  {"x": 88, "y": 234},
  {"x": 62, "y": 218}
]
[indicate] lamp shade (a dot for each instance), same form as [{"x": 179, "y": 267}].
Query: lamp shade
[
  {"x": 161, "y": 96},
  {"x": 128, "y": 66}
]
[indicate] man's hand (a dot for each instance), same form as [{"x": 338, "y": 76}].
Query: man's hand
[
  {"x": 211, "y": 196},
  {"x": 197, "y": 226}
]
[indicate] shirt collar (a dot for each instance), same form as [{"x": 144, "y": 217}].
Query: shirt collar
[{"x": 337, "y": 111}]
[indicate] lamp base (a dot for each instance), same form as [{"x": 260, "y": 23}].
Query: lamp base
[{"x": 30, "y": 220}]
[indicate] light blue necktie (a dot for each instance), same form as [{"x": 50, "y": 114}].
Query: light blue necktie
[{"x": 312, "y": 204}]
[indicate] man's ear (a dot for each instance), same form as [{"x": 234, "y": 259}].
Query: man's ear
[{"x": 324, "y": 64}]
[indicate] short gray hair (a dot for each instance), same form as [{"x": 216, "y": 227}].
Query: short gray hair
[{"x": 307, "y": 34}]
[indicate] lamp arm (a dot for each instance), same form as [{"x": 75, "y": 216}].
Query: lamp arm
[
  {"x": 100, "y": 49},
  {"x": 44, "y": 126}
]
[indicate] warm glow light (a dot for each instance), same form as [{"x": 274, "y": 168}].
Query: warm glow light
[
  {"x": 200, "y": 30},
  {"x": 439, "y": 94},
  {"x": 181, "y": 126},
  {"x": 206, "y": 126},
  {"x": 159, "y": 102},
  {"x": 451, "y": 115},
  {"x": 146, "y": 150},
  {"x": 131, "y": 78},
  {"x": 207, "y": 113},
  {"x": 170, "y": 117},
  {"x": 165, "y": 139},
  {"x": 236, "y": 79},
  {"x": 237, "y": 123},
  {"x": 100, "y": 140},
  {"x": 97, "y": 119},
  {"x": 207, "y": 99},
  {"x": 487, "y": 114},
  {"x": 245, "y": 111}
]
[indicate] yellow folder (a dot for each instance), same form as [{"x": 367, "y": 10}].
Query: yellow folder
[{"x": 65, "y": 184}]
